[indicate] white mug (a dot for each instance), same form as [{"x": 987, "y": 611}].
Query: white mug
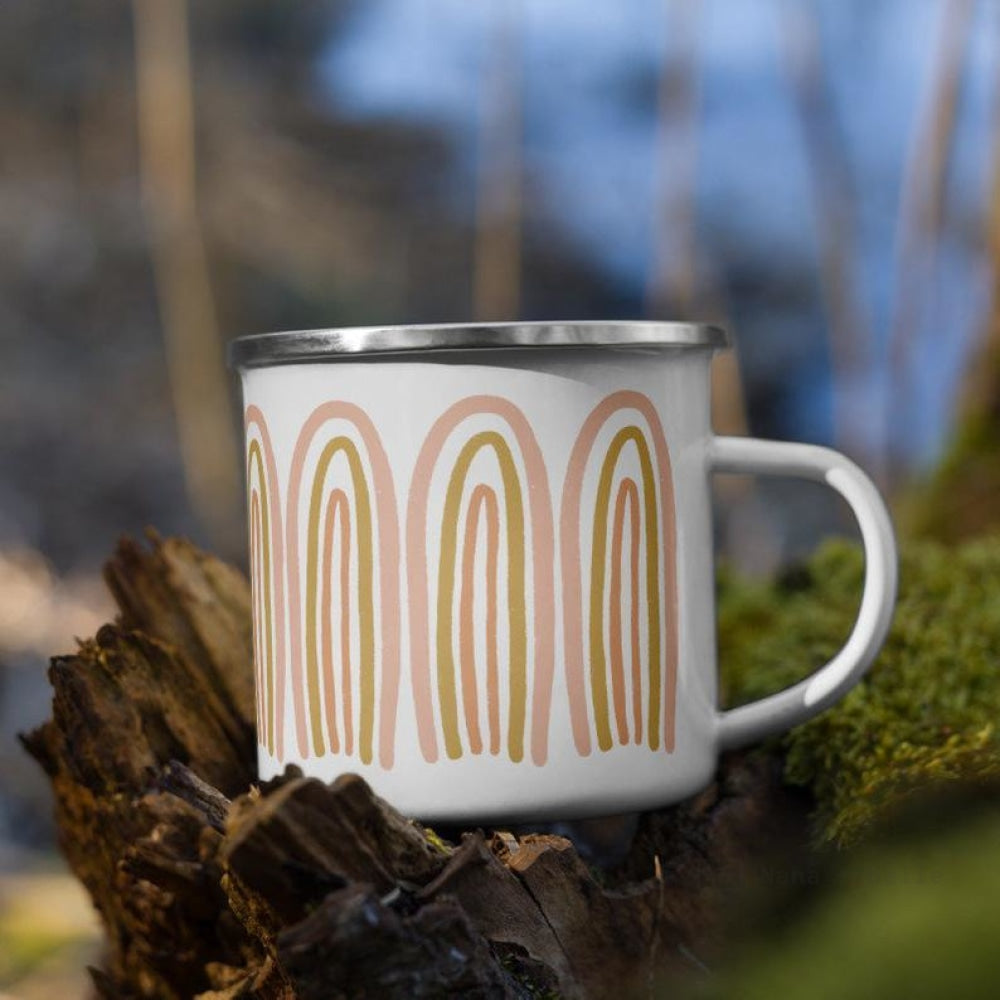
[{"x": 482, "y": 564}]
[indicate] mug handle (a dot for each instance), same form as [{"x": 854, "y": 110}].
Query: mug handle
[{"x": 779, "y": 712}]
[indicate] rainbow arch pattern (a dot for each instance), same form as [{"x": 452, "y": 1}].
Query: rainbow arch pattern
[
  {"x": 267, "y": 592},
  {"x": 364, "y": 508},
  {"x": 337, "y": 557},
  {"x": 480, "y": 574},
  {"x": 644, "y": 507},
  {"x": 520, "y": 491}
]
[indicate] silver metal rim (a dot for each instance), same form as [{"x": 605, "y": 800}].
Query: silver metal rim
[{"x": 300, "y": 346}]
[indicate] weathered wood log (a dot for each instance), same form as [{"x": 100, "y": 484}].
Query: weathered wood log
[{"x": 212, "y": 885}]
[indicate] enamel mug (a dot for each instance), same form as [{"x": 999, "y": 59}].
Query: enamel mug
[{"x": 482, "y": 564}]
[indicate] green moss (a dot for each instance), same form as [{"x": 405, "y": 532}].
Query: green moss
[
  {"x": 915, "y": 919},
  {"x": 525, "y": 985},
  {"x": 958, "y": 500},
  {"x": 434, "y": 839},
  {"x": 925, "y": 712},
  {"x": 27, "y": 944}
]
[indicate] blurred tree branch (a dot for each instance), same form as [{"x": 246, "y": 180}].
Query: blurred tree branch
[
  {"x": 959, "y": 500},
  {"x": 835, "y": 207},
  {"x": 673, "y": 281},
  {"x": 676, "y": 286},
  {"x": 981, "y": 392},
  {"x": 922, "y": 208},
  {"x": 198, "y": 382},
  {"x": 497, "y": 253}
]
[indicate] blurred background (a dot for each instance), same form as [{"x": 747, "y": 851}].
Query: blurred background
[{"x": 823, "y": 177}]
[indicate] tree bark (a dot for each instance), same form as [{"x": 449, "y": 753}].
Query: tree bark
[{"x": 211, "y": 884}]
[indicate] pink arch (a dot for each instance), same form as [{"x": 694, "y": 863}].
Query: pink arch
[
  {"x": 540, "y": 506},
  {"x": 626, "y": 502},
  {"x": 258, "y": 613},
  {"x": 255, "y": 418},
  {"x": 337, "y": 504},
  {"x": 569, "y": 540},
  {"x": 482, "y": 504},
  {"x": 388, "y": 550}
]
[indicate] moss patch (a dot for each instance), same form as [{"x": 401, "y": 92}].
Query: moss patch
[
  {"x": 434, "y": 839},
  {"x": 925, "y": 712},
  {"x": 959, "y": 499},
  {"x": 915, "y": 919}
]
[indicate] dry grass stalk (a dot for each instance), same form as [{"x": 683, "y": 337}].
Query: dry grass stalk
[
  {"x": 496, "y": 290},
  {"x": 198, "y": 381},
  {"x": 922, "y": 205},
  {"x": 835, "y": 206}
]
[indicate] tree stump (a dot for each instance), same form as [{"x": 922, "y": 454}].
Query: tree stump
[{"x": 210, "y": 884}]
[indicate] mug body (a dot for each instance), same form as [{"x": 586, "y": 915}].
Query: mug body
[{"x": 482, "y": 577}]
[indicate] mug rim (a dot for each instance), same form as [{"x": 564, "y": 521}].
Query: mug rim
[{"x": 300, "y": 346}]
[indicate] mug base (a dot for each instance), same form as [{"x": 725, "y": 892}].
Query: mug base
[
  {"x": 594, "y": 787},
  {"x": 572, "y": 807}
]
